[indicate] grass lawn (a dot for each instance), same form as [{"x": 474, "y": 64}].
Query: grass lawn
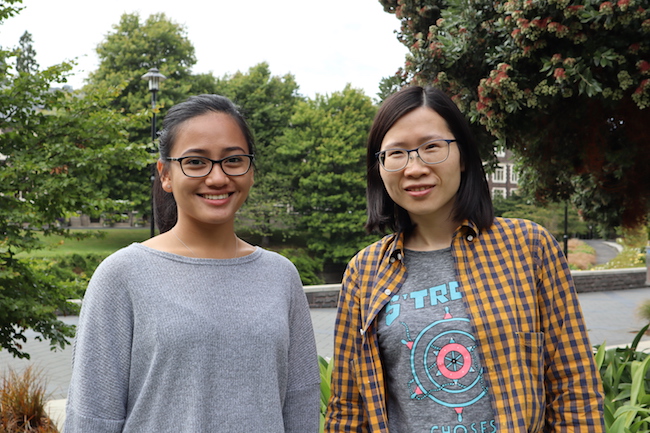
[{"x": 110, "y": 241}]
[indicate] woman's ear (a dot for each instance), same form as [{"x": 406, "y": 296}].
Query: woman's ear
[{"x": 163, "y": 174}]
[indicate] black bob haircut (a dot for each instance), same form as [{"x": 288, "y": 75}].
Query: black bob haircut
[{"x": 473, "y": 201}]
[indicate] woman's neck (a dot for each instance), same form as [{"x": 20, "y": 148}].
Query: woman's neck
[
  {"x": 215, "y": 242},
  {"x": 430, "y": 236}
]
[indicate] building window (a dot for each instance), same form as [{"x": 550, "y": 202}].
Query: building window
[
  {"x": 498, "y": 192},
  {"x": 514, "y": 174},
  {"x": 499, "y": 175}
]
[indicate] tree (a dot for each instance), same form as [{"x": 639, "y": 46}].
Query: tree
[
  {"x": 565, "y": 86},
  {"x": 267, "y": 102},
  {"x": 26, "y": 60},
  {"x": 134, "y": 47},
  {"x": 325, "y": 149},
  {"x": 127, "y": 53},
  {"x": 58, "y": 150}
]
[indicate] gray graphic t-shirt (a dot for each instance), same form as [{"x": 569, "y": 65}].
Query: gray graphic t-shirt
[{"x": 430, "y": 355}]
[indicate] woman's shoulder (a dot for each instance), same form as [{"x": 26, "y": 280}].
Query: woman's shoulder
[
  {"x": 519, "y": 225},
  {"x": 519, "y": 230},
  {"x": 123, "y": 259},
  {"x": 272, "y": 257},
  {"x": 378, "y": 250}
]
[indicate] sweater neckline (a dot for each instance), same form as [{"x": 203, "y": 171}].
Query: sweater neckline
[{"x": 199, "y": 260}]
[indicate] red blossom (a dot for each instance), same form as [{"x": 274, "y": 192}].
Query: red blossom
[
  {"x": 559, "y": 74},
  {"x": 606, "y": 7},
  {"x": 634, "y": 48},
  {"x": 639, "y": 89},
  {"x": 557, "y": 58},
  {"x": 623, "y": 4},
  {"x": 500, "y": 76},
  {"x": 575, "y": 8},
  {"x": 643, "y": 66}
]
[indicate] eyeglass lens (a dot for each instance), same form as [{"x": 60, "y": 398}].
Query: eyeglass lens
[
  {"x": 198, "y": 166},
  {"x": 432, "y": 152}
]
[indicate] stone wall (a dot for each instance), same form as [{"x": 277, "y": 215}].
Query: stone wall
[
  {"x": 613, "y": 279},
  {"x": 326, "y": 296}
]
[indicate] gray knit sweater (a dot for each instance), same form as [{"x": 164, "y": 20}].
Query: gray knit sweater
[{"x": 167, "y": 343}]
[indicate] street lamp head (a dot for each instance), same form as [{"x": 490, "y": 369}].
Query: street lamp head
[{"x": 154, "y": 77}]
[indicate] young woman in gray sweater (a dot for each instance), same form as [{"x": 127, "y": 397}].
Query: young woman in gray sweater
[{"x": 196, "y": 330}]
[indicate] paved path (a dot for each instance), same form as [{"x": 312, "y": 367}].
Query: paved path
[
  {"x": 611, "y": 318},
  {"x": 605, "y": 251}
]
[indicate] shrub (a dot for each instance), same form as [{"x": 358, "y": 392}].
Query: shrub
[
  {"x": 325, "y": 379},
  {"x": 307, "y": 266},
  {"x": 626, "y": 382},
  {"x": 22, "y": 404},
  {"x": 70, "y": 272}
]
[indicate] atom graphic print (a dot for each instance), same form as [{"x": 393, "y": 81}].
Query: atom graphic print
[{"x": 445, "y": 365}]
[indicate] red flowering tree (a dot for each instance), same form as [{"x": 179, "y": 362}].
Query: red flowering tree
[{"x": 565, "y": 84}]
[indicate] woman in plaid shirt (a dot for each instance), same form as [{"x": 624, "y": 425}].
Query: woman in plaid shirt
[{"x": 458, "y": 321}]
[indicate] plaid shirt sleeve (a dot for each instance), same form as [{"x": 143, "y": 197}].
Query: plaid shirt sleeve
[
  {"x": 357, "y": 402},
  {"x": 346, "y": 412},
  {"x": 520, "y": 294},
  {"x": 573, "y": 388}
]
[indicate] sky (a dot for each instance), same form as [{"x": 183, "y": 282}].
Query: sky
[{"x": 325, "y": 44}]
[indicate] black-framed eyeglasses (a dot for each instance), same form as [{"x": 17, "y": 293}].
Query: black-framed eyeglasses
[
  {"x": 200, "y": 166},
  {"x": 431, "y": 152}
]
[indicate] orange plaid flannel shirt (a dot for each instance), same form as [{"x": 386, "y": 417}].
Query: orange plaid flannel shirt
[{"x": 525, "y": 313}]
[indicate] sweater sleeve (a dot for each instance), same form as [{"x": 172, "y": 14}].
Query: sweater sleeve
[
  {"x": 302, "y": 400},
  {"x": 97, "y": 397}
]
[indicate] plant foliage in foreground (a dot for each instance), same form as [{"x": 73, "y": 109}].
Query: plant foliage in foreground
[
  {"x": 22, "y": 404},
  {"x": 626, "y": 381}
]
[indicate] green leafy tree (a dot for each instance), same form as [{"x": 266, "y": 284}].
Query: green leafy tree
[
  {"x": 126, "y": 54},
  {"x": 267, "y": 102},
  {"x": 566, "y": 85},
  {"x": 133, "y": 47},
  {"x": 325, "y": 148},
  {"x": 58, "y": 150}
]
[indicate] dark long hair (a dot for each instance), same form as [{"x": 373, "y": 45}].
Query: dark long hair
[
  {"x": 166, "y": 213},
  {"x": 473, "y": 201}
]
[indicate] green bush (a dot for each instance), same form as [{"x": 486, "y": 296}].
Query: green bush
[
  {"x": 325, "y": 379},
  {"x": 70, "y": 272},
  {"x": 626, "y": 382},
  {"x": 308, "y": 267}
]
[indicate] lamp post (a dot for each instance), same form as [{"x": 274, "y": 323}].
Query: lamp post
[{"x": 154, "y": 77}]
